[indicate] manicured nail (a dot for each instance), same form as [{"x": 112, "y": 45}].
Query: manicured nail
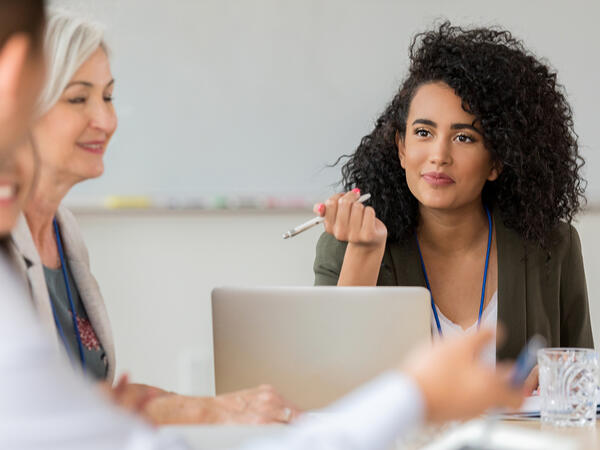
[
  {"x": 356, "y": 190},
  {"x": 321, "y": 208}
]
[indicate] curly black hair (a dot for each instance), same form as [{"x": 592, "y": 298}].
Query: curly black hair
[{"x": 527, "y": 127}]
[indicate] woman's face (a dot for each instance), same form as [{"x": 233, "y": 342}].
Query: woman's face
[
  {"x": 16, "y": 178},
  {"x": 72, "y": 136},
  {"x": 443, "y": 154}
]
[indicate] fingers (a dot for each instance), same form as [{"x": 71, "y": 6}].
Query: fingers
[
  {"x": 342, "y": 226},
  {"x": 268, "y": 406},
  {"x": 502, "y": 392},
  {"x": 331, "y": 206},
  {"x": 532, "y": 381},
  {"x": 479, "y": 340},
  {"x": 372, "y": 228},
  {"x": 355, "y": 225},
  {"x": 350, "y": 221},
  {"x": 121, "y": 385}
]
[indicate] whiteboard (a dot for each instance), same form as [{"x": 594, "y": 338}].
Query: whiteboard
[{"x": 257, "y": 97}]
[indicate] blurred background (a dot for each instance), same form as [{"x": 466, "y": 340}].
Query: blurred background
[{"x": 230, "y": 112}]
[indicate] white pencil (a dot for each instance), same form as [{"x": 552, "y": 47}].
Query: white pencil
[{"x": 316, "y": 221}]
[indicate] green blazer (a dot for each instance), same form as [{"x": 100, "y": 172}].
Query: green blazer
[{"x": 536, "y": 295}]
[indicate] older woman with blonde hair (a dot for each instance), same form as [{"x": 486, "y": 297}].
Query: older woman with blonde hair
[{"x": 75, "y": 122}]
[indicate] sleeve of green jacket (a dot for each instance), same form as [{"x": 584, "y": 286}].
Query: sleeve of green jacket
[
  {"x": 575, "y": 327},
  {"x": 328, "y": 260}
]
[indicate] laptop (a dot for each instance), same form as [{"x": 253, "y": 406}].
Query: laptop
[{"x": 314, "y": 344}]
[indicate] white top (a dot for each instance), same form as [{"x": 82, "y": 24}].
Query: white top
[
  {"x": 489, "y": 319},
  {"x": 46, "y": 405}
]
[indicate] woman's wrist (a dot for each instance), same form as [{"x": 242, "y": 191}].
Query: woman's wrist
[
  {"x": 181, "y": 409},
  {"x": 361, "y": 265}
]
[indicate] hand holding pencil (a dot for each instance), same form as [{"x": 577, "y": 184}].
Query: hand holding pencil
[{"x": 348, "y": 220}]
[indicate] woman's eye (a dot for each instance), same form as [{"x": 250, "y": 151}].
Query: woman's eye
[
  {"x": 77, "y": 100},
  {"x": 108, "y": 98},
  {"x": 464, "y": 138},
  {"x": 422, "y": 132}
]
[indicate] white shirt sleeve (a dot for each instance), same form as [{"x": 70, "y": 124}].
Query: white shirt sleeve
[
  {"x": 371, "y": 418},
  {"x": 44, "y": 404}
]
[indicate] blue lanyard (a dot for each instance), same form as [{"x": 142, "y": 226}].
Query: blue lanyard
[
  {"x": 485, "y": 271},
  {"x": 71, "y": 304}
]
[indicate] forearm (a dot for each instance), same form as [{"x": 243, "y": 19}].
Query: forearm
[
  {"x": 370, "y": 418},
  {"x": 361, "y": 265},
  {"x": 151, "y": 390},
  {"x": 180, "y": 409}
]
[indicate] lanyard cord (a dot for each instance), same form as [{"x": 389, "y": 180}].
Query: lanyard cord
[
  {"x": 71, "y": 304},
  {"x": 485, "y": 271}
]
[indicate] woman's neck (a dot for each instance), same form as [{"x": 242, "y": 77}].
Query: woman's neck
[
  {"x": 453, "y": 231},
  {"x": 42, "y": 207}
]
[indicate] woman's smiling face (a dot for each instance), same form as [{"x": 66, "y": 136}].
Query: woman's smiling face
[
  {"x": 73, "y": 135},
  {"x": 443, "y": 152}
]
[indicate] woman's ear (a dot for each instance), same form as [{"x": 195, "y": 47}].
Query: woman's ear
[
  {"x": 401, "y": 148},
  {"x": 495, "y": 171}
]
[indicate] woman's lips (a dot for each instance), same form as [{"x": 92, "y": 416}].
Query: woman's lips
[
  {"x": 437, "y": 179},
  {"x": 96, "y": 147}
]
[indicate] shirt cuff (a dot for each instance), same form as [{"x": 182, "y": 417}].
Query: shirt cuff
[{"x": 382, "y": 410}]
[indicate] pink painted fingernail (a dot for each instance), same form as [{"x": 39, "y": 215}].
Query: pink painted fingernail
[
  {"x": 356, "y": 190},
  {"x": 321, "y": 208}
]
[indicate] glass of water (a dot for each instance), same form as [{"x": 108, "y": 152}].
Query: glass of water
[{"x": 568, "y": 386}]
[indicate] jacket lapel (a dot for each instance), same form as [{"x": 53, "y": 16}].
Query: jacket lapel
[
  {"x": 89, "y": 291},
  {"x": 406, "y": 264},
  {"x": 512, "y": 289}
]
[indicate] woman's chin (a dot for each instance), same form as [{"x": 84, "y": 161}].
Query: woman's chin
[
  {"x": 94, "y": 172},
  {"x": 437, "y": 202}
]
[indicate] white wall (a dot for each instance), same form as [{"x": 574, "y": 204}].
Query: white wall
[
  {"x": 285, "y": 87},
  {"x": 156, "y": 271}
]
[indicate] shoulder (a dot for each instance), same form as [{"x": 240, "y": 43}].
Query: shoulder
[{"x": 563, "y": 242}]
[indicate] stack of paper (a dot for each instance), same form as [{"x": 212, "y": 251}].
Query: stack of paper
[{"x": 530, "y": 410}]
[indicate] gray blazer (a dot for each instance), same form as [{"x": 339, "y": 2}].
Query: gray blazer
[{"x": 30, "y": 264}]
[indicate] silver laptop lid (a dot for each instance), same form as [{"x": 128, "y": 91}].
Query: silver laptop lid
[{"x": 314, "y": 344}]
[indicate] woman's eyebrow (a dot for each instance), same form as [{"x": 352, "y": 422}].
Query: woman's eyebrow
[
  {"x": 462, "y": 126},
  {"x": 83, "y": 83},
  {"x": 87, "y": 83},
  {"x": 425, "y": 122}
]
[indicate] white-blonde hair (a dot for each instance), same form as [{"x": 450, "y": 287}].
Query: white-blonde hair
[{"x": 68, "y": 42}]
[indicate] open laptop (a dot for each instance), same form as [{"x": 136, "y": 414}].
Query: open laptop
[{"x": 314, "y": 344}]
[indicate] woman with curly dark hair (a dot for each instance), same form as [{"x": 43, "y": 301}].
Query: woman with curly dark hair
[{"x": 474, "y": 174}]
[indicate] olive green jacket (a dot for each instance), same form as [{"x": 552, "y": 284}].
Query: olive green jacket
[{"x": 536, "y": 295}]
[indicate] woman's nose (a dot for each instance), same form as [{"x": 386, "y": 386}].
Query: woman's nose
[
  {"x": 103, "y": 117},
  {"x": 440, "y": 154}
]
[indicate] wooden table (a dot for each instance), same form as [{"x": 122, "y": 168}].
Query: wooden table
[
  {"x": 588, "y": 438},
  {"x": 228, "y": 436}
]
